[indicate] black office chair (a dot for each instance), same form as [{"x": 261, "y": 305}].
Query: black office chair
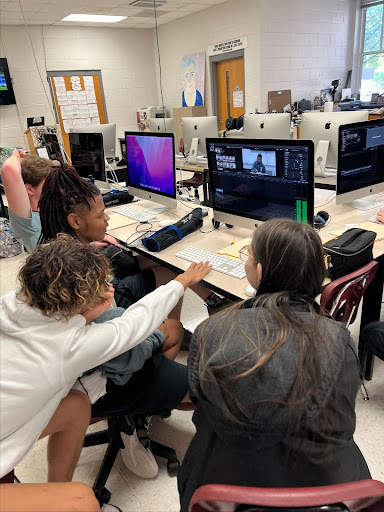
[{"x": 112, "y": 437}]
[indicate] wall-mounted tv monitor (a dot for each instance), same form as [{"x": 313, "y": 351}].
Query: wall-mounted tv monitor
[
  {"x": 7, "y": 96},
  {"x": 151, "y": 166},
  {"x": 253, "y": 180},
  {"x": 360, "y": 169}
]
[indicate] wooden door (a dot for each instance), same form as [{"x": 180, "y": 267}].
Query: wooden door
[{"x": 230, "y": 89}]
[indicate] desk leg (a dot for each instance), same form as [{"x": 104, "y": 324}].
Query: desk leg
[{"x": 370, "y": 312}]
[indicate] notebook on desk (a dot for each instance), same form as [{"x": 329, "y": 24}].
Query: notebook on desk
[{"x": 233, "y": 249}]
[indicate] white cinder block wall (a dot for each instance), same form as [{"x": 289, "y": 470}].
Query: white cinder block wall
[
  {"x": 300, "y": 45},
  {"x": 305, "y": 44},
  {"x": 125, "y": 57},
  {"x": 293, "y": 44}
]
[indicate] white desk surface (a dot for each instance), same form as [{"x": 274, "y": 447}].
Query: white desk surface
[
  {"x": 222, "y": 237},
  {"x": 182, "y": 164}
]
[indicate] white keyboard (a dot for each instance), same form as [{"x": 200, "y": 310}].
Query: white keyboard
[
  {"x": 223, "y": 264},
  {"x": 132, "y": 213},
  {"x": 374, "y": 219}
]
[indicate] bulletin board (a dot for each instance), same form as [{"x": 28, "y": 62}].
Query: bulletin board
[{"x": 78, "y": 98}]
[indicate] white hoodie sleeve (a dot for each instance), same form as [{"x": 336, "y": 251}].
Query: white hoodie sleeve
[{"x": 92, "y": 345}]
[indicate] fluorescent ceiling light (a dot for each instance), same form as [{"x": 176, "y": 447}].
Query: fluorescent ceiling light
[{"x": 94, "y": 18}]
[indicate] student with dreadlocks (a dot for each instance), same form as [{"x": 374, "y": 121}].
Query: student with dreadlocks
[{"x": 71, "y": 205}]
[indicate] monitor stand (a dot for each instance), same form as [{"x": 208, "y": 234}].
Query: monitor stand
[
  {"x": 321, "y": 158},
  {"x": 157, "y": 209},
  {"x": 192, "y": 156},
  {"x": 366, "y": 203}
]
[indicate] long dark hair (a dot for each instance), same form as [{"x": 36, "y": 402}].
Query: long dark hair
[
  {"x": 293, "y": 270},
  {"x": 64, "y": 192}
]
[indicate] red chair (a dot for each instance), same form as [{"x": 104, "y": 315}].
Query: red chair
[
  {"x": 196, "y": 181},
  {"x": 341, "y": 298},
  {"x": 360, "y": 496}
]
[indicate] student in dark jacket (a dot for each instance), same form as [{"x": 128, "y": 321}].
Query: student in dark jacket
[{"x": 274, "y": 378}]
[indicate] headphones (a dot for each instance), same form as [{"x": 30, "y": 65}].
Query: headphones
[{"x": 321, "y": 219}]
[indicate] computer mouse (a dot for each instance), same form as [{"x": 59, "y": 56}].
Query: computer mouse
[
  {"x": 250, "y": 291},
  {"x": 166, "y": 222}
]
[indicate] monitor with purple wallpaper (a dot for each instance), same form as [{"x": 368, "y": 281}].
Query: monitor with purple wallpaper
[{"x": 151, "y": 166}]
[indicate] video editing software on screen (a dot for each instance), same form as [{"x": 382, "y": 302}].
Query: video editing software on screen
[
  {"x": 361, "y": 156},
  {"x": 261, "y": 181}
]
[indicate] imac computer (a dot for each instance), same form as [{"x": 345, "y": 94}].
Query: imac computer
[
  {"x": 251, "y": 181},
  {"x": 360, "y": 168},
  {"x": 323, "y": 129},
  {"x": 165, "y": 125},
  {"x": 267, "y": 126},
  {"x": 151, "y": 167},
  {"x": 109, "y": 136},
  {"x": 87, "y": 155},
  {"x": 195, "y": 131}
]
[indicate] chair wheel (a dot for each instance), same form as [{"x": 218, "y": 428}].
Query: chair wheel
[
  {"x": 103, "y": 496},
  {"x": 173, "y": 467}
]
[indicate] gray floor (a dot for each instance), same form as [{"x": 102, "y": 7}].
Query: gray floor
[{"x": 160, "y": 494}]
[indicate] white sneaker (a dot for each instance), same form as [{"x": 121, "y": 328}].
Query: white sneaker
[{"x": 137, "y": 458}]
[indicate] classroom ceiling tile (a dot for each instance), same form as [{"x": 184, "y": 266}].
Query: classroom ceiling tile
[{"x": 53, "y": 11}]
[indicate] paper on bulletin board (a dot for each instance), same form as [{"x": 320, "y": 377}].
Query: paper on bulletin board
[
  {"x": 233, "y": 249},
  {"x": 59, "y": 81},
  {"x": 238, "y": 99},
  {"x": 67, "y": 124},
  {"x": 370, "y": 226}
]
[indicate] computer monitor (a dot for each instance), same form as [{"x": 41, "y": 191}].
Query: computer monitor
[
  {"x": 51, "y": 143},
  {"x": 109, "y": 136},
  {"x": 165, "y": 125},
  {"x": 319, "y": 126},
  {"x": 87, "y": 155},
  {"x": 360, "y": 168},
  {"x": 195, "y": 131},
  {"x": 251, "y": 181},
  {"x": 267, "y": 126},
  {"x": 151, "y": 166}
]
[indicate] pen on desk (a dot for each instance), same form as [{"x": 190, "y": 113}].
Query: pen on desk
[{"x": 232, "y": 242}]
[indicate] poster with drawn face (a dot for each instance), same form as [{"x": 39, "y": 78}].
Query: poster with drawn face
[{"x": 193, "y": 80}]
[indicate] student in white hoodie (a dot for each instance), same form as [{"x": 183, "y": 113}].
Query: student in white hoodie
[{"x": 48, "y": 338}]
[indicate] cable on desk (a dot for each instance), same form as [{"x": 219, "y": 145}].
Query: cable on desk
[
  {"x": 320, "y": 205},
  {"x": 145, "y": 232}
]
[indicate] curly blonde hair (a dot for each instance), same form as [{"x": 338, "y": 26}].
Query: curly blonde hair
[{"x": 63, "y": 277}]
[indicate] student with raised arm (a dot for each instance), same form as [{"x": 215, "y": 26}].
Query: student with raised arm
[
  {"x": 23, "y": 177},
  {"x": 274, "y": 378},
  {"x": 48, "y": 341}
]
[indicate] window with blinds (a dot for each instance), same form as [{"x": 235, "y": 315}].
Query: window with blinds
[{"x": 372, "y": 76}]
